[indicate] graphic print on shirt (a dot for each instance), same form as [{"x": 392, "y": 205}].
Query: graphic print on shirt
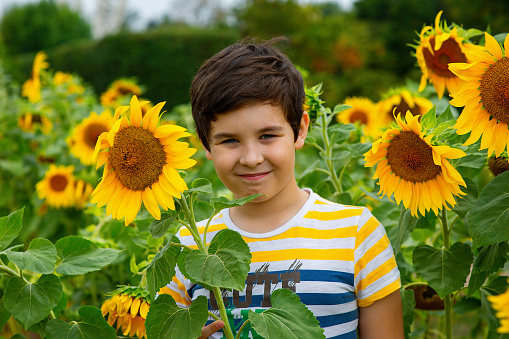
[{"x": 270, "y": 282}]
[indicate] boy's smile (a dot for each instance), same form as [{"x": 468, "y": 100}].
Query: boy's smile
[{"x": 253, "y": 150}]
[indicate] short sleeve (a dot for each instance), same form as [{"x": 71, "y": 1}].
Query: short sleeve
[{"x": 376, "y": 274}]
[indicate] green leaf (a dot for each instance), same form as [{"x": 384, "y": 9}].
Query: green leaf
[
  {"x": 92, "y": 326},
  {"x": 201, "y": 185},
  {"x": 221, "y": 203},
  {"x": 408, "y": 300},
  {"x": 80, "y": 256},
  {"x": 287, "y": 318},
  {"x": 489, "y": 260},
  {"x": 497, "y": 286},
  {"x": 226, "y": 265},
  {"x": 40, "y": 257},
  {"x": 40, "y": 328},
  {"x": 472, "y": 160},
  {"x": 489, "y": 217},
  {"x": 32, "y": 302},
  {"x": 445, "y": 116},
  {"x": 429, "y": 119},
  {"x": 166, "y": 320},
  {"x": 406, "y": 225},
  {"x": 162, "y": 269},
  {"x": 465, "y": 202},
  {"x": 10, "y": 227},
  {"x": 181, "y": 264},
  {"x": 4, "y": 314},
  {"x": 167, "y": 224},
  {"x": 445, "y": 270}
]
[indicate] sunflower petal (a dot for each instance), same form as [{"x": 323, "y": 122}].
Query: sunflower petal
[
  {"x": 150, "y": 202},
  {"x": 135, "y": 112},
  {"x": 493, "y": 46}
]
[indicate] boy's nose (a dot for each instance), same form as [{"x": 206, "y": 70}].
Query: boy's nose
[{"x": 251, "y": 156}]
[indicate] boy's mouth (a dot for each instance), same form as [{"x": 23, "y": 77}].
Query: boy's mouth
[{"x": 254, "y": 176}]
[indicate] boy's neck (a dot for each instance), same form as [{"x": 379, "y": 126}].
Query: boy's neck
[{"x": 268, "y": 215}]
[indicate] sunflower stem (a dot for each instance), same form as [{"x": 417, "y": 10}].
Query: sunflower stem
[
  {"x": 192, "y": 224},
  {"x": 241, "y": 329},
  {"x": 222, "y": 310},
  {"x": 328, "y": 152},
  {"x": 446, "y": 232}
]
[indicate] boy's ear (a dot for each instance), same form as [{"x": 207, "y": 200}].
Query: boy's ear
[
  {"x": 303, "y": 130},
  {"x": 207, "y": 152}
]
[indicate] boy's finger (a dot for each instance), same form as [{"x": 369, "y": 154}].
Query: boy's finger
[{"x": 212, "y": 328}]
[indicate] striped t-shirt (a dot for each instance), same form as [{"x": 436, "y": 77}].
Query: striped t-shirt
[{"x": 335, "y": 257}]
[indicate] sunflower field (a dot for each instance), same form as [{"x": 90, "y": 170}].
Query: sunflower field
[{"x": 94, "y": 188}]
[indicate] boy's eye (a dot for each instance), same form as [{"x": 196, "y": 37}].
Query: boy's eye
[
  {"x": 267, "y": 136},
  {"x": 228, "y": 141}
]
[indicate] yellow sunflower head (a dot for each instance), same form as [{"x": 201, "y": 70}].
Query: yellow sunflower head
[
  {"x": 365, "y": 112},
  {"x": 500, "y": 304},
  {"x": 119, "y": 89},
  {"x": 399, "y": 101},
  {"x": 32, "y": 87},
  {"x": 128, "y": 307},
  {"x": 84, "y": 136},
  {"x": 57, "y": 186},
  {"x": 61, "y": 78},
  {"x": 141, "y": 162},
  {"x": 29, "y": 122},
  {"x": 415, "y": 171},
  {"x": 438, "y": 47},
  {"x": 485, "y": 96}
]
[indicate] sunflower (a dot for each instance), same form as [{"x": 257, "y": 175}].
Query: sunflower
[
  {"x": 84, "y": 136},
  {"x": 57, "y": 186},
  {"x": 364, "y": 112},
  {"x": 32, "y": 87},
  {"x": 128, "y": 307},
  {"x": 119, "y": 89},
  {"x": 498, "y": 165},
  {"x": 500, "y": 303},
  {"x": 401, "y": 100},
  {"x": 61, "y": 79},
  {"x": 437, "y": 48},
  {"x": 82, "y": 192},
  {"x": 413, "y": 169},
  {"x": 141, "y": 162},
  {"x": 485, "y": 96},
  {"x": 28, "y": 122}
]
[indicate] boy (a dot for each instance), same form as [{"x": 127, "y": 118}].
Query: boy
[{"x": 247, "y": 105}]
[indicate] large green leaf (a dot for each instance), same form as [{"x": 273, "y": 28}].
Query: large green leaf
[
  {"x": 166, "y": 320},
  {"x": 10, "y": 227},
  {"x": 445, "y": 270},
  {"x": 287, "y": 318},
  {"x": 489, "y": 217},
  {"x": 31, "y": 303},
  {"x": 489, "y": 260},
  {"x": 220, "y": 203},
  {"x": 226, "y": 265},
  {"x": 80, "y": 256},
  {"x": 92, "y": 326},
  {"x": 465, "y": 202},
  {"x": 162, "y": 268},
  {"x": 167, "y": 224},
  {"x": 40, "y": 257}
]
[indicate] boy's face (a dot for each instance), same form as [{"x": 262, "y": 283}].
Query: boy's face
[{"x": 253, "y": 151}]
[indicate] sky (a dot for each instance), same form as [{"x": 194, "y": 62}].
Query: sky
[{"x": 148, "y": 10}]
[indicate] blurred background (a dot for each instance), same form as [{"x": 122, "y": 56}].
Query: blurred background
[{"x": 353, "y": 47}]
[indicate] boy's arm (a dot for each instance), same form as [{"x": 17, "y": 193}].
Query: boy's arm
[{"x": 382, "y": 319}]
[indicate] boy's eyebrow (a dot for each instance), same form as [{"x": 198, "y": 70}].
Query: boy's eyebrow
[{"x": 228, "y": 135}]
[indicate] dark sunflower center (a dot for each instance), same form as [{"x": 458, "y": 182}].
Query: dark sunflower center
[
  {"x": 359, "y": 116},
  {"x": 92, "y": 133},
  {"x": 411, "y": 158},
  {"x": 450, "y": 51},
  {"x": 36, "y": 118},
  {"x": 403, "y": 107},
  {"x": 137, "y": 158},
  {"x": 498, "y": 165},
  {"x": 58, "y": 182},
  {"x": 495, "y": 90}
]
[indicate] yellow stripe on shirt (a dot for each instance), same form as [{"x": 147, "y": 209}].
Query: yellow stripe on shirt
[
  {"x": 303, "y": 254},
  {"x": 324, "y": 216}
]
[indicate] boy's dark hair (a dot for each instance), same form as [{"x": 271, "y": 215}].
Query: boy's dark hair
[{"x": 242, "y": 74}]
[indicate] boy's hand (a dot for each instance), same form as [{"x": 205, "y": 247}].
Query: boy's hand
[{"x": 212, "y": 328}]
